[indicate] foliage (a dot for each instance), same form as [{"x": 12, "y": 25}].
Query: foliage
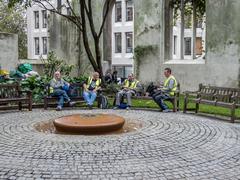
[
  {"x": 85, "y": 20},
  {"x": 36, "y": 85},
  {"x": 53, "y": 64},
  {"x": 13, "y": 20},
  {"x": 200, "y": 9}
]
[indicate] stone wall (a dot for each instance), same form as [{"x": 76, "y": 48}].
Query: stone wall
[
  {"x": 8, "y": 51},
  {"x": 221, "y": 65},
  {"x": 64, "y": 40}
]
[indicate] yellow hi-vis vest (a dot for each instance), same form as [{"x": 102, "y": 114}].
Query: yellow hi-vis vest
[
  {"x": 133, "y": 85},
  {"x": 166, "y": 84},
  {"x": 98, "y": 82}
]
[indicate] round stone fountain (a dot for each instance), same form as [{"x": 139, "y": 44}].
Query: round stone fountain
[{"x": 89, "y": 123}]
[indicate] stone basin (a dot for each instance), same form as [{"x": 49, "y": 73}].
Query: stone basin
[{"x": 89, "y": 123}]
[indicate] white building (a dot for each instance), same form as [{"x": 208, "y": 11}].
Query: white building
[
  {"x": 37, "y": 30},
  {"x": 122, "y": 37}
]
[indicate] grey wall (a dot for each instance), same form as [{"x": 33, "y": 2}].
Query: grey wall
[
  {"x": 221, "y": 65},
  {"x": 64, "y": 40},
  {"x": 8, "y": 51}
]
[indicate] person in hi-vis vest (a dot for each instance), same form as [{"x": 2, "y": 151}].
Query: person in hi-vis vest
[
  {"x": 168, "y": 90},
  {"x": 129, "y": 88},
  {"x": 90, "y": 87}
]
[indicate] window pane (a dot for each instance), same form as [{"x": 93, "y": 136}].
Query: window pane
[
  {"x": 118, "y": 11},
  {"x": 129, "y": 42},
  {"x": 44, "y": 40},
  {"x": 36, "y": 19},
  {"x": 118, "y": 42},
  {"x": 44, "y": 18},
  {"x": 187, "y": 46},
  {"x": 129, "y": 10},
  {"x": 175, "y": 44},
  {"x": 36, "y": 40}
]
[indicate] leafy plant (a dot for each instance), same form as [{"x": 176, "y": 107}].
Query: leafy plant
[{"x": 53, "y": 64}]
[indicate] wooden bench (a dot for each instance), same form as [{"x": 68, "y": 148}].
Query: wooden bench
[
  {"x": 216, "y": 96},
  {"x": 174, "y": 99},
  {"x": 12, "y": 93},
  {"x": 78, "y": 97}
]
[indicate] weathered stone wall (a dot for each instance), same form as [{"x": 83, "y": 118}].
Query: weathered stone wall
[
  {"x": 221, "y": 66},
  {"x": 64, "y": 40},
  {"x": 8, "y": 51}
]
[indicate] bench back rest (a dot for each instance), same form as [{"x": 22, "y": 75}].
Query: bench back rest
[
  {"x": 223, "y": 94},
  {"x": 9, "y": 91}
]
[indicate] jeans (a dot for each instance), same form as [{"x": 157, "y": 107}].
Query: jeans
[
  {"x": 89, "y": 97},
  {"x": 159, "y": 99},
  {"x": 62, "y": 95}
]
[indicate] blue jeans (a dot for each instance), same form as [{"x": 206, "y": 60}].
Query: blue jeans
[
  {"x": 159, "y": 99},
  {"x": 62, "y": 95},
  {"x": 89, "y": 97}
]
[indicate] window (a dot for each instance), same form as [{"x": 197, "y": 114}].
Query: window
[
  {"x": 123, "y": 71},
  {"x": 187, "y": 46},
  {"x": 118, "y": 42},
  {"x": 36, "y": 40},
  {"x": 118, "y": 11},
  {"x": 44, "y": 18},
  {"x": 185, "y": 29},
  {"x": 174, "y": 45},
  {"x": 129, "y": 42},
  {"x": 36, "y": 19},
  {"x": 129, "y": 10},
  {"x": 44, "y": 41},
  {"x": 69, "y": 13}
]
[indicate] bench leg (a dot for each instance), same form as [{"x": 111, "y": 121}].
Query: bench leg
[
  {"x": 197, "y": 108},
  {"x": 185, "y": 105},
  {"x": 30, "y": 103},
  {"x": 20, "y": 105},
  {"x": 174, "y": 105},
  {"x": 233, "y": 113},
  {"x": 45, "y": 103}
]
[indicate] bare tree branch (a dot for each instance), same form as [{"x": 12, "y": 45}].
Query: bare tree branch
[{"x": 104, "y": 17}]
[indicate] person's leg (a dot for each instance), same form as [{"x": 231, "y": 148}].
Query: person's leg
[
  {"x": 119, "y": 97},
  {"x": 65, "y": 96},
  {"x": 93, "y": 96},
  {"x": 129, "y": 101},
  {"x": 60, "y": 94},
  {"x": 86, "y": 97},
  {"x": 160, "y": 101}
]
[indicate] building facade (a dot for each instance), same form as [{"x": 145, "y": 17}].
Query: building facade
[
  {"x": 37, "y": 29},
  {"x": 122, "y": 37}
]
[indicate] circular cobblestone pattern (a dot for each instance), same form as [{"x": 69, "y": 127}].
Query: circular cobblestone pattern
[{"x": 168, "y": 146}]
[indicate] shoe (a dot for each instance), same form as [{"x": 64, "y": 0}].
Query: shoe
[
  {"x": 89, "y": 106},
  {"x": 166, "y": 110},
  {"x": 71, "y": 103},
  {"x": 128, "y": 108},
  {"x": 59, "y": 108}
]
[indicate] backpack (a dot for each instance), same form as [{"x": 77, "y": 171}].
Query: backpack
[{"x": 104, "y": 102}]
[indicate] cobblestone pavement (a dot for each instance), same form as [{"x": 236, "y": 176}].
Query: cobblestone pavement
[{"x": 168, "y": 146}]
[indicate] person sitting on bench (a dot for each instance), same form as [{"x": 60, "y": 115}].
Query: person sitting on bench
[{"x": 165, "y": 92}]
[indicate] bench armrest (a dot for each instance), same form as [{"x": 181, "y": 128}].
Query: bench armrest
[{"x": 192, "y": 93}]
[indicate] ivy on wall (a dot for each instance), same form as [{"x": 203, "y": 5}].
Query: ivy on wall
[{"x": 140, "y": 53}]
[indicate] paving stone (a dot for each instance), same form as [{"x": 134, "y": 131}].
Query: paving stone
[{"x": 168, "y": 146}]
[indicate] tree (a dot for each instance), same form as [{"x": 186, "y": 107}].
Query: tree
[
  {"x": 13, "y": 20},
  {"x": 83, "y": 19}
]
